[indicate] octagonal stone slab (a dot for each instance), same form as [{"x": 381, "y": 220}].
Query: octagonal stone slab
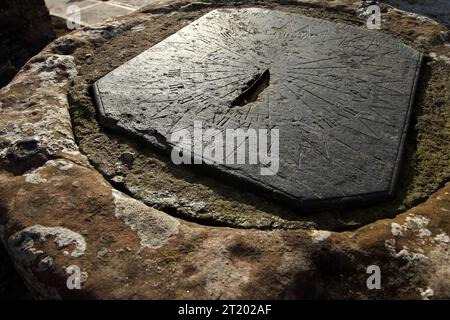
[{"x": 340, "y": 96}]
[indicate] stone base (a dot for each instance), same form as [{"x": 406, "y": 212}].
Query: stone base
[{"x": 58, "y": 208}]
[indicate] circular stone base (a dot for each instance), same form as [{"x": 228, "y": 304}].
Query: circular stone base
[
  {"x": 60, "y": 203},
  {"x": 192, "y": 195}
]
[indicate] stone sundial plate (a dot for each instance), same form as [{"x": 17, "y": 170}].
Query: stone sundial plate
[{"x": 340, "y": 96}]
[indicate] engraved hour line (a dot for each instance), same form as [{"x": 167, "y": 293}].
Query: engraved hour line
[
  {"x": 191, "y": 98},
  {"x": 192, "y": 110},
  {"x": 339, "y": 107},
  {"x": 322, "y": 181},
  {"x": 388, "y": 81},
  {"x": 394, "y": 92},
  {"x": 374, "y": 134},
  {"x": 306, "y": 73},
  {"x": 352, "y": 40},
  {"x": 225, "y": 48},
  {"x": 294, "y": 33},
  {"x": 208, "y": 45},
  {"x": 213, "y": 62},
  {"x": 316, "y": 193},
  {"x": 221, "y": 64},
  {"x": 384, "y": 117},
  {"x": 377, "y": 55},
  {"x": 377, "y": 121},
  {"x": 222, "y": 78},
  {"x": 250, "y": 50},
  {"x": 363, "y": 154},
  {"x": 315, "y": 147},
  {"x": 318, "y": 60},
  {"x": 208, "y": 138},
  {"x": 160, "y": 101},
  {"x": 315, "y": 95},
  {"x": 227, "y": 36},
  {"x": 200, "y": 49},
  {"x": 207, "y": 71},
  {"x": 343, "y": 76},
  {"x": 280, "y": 36},
  {"x": 319, "y": 85},
  {"x": 160, "y": 110},
  {"x": 309, "y": 107},
  {"x": 230, "y": 83},
  {"x": 229, "y": 93},
  {"x": 361, "y": 132},
  {"x": 320, "y": 68},
  {"x": 197, "y": 48}
]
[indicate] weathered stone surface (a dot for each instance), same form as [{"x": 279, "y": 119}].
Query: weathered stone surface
[
  {"x": 25, "y": 28},
  {"x": 330, "y": 93},
  {"x": 124, "y": 257},
  {"x": 208, "y": 262}
]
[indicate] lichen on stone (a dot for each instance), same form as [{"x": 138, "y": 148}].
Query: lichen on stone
[
  {"x": 153, "y": 227},
  {"x": 22, "y": 243}
]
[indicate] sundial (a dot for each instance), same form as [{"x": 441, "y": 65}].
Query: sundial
[{"x": 340, "y": 97}]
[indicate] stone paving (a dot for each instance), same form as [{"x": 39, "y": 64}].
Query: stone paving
[{"x": 94, "y": 11}]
